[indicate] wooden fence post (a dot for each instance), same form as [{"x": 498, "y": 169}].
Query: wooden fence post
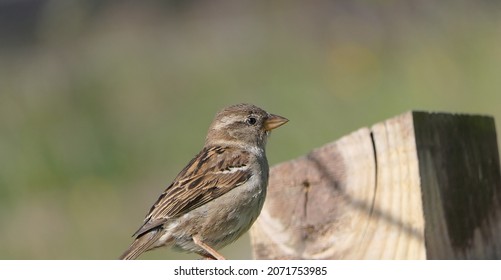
[{"x": 417, "y": 186}]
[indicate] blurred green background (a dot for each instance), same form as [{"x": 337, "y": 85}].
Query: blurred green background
[{"x": 103, "y": 102}]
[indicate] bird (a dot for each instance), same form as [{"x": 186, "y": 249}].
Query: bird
[{"x": 220, "y": 193}]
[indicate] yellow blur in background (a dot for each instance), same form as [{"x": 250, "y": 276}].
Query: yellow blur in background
[{"x": 102, "y": 103}]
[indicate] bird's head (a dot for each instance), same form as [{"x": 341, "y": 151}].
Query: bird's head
[{"x": 243, "y": 125}]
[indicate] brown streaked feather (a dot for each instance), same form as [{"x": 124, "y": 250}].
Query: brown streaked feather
[{"x": 201, "y": 181}]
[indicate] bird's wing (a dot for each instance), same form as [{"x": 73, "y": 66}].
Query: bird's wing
[{"x": 212, "y": 173}]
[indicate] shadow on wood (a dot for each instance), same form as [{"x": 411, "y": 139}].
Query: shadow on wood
[{"x": 418, "y": 186}]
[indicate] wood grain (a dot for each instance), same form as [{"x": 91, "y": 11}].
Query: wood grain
[
  {"x": 461, "y": 182},
  {"x": 388, "y": 192}
]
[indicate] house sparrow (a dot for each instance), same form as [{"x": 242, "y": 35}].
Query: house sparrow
[{"x": 219, "y": 194}]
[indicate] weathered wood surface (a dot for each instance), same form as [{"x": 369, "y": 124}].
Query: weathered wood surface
[{"x": 418, "y": 186}]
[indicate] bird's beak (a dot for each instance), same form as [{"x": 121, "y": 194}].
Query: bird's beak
[{"x": 274, "y": 121}]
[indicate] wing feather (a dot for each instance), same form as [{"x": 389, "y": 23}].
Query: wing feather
[{"x": 212, "y": 173}]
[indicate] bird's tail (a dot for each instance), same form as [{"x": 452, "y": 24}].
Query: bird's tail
[{"x": 142, "y": 244}]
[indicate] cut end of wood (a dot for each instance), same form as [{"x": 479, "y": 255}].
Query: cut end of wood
[{"x": 388, "y": 192}]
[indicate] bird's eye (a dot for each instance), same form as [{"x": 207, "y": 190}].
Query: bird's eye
[{"x": 251, "y": 121}]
